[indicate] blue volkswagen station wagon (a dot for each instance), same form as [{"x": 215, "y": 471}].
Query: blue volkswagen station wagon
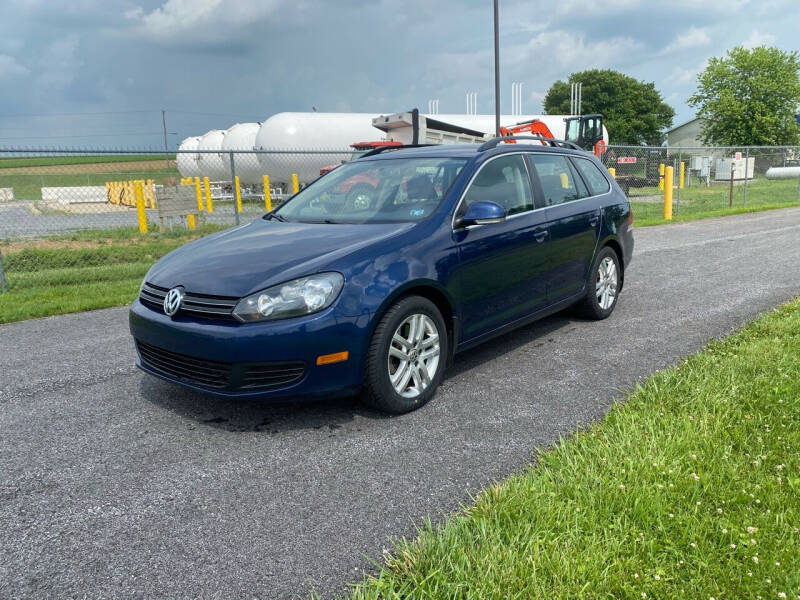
[{"x": 373, "y": 277}]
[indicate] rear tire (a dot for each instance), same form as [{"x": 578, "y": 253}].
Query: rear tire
[
  {"x": 602, "y": 289},
  {"x": 406, "y": 358}
]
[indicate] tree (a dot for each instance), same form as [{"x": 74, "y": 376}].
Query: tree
[
  {"x": 749, "y": 97},
  {"x": 633, "y": 111}
]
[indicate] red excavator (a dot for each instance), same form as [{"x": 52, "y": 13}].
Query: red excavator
[{"x": 586, "y": 131}]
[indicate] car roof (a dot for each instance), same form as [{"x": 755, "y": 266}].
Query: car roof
[{"x": 467, "y": 151}]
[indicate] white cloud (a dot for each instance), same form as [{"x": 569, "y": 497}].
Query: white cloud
[
  {"x": 758, "y": 38},
  {"x": 564, "y": 50},
  {"x": 9, "y": 67},
  {"x": 59, "y": 62},
  {"x": 695, "y": 37},
  {"x": 177, "y": 16}
]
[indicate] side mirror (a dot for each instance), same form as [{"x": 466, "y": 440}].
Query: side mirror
[{"x": 482, "y": 213}]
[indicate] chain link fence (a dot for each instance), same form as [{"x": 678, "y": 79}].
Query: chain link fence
[
  {"x": 76, "y": 219},
  {"x": 707, "y": 180},
  {"x": 73, "y": 222}
]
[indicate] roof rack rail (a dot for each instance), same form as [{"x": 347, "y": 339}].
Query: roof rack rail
[
  {"x": 385, "y": 148},
  {"x": 492, "y": 143}
]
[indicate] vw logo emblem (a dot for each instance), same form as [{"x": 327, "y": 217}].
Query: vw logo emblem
[{"x": 173, "y": 301}]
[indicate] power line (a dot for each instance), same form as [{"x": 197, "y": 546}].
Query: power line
[
  {"x": 45, "y": 115},
  {"x": 90, "y": 135}
]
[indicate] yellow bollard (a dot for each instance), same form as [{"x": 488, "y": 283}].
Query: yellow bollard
[
  {"x": 669, "y": 176},
  {"x": 140, "y": 212},
  {"x": 564, "y": 181},
  {"x": 190, "y": 221},
  {"x": 295, "y": 184},
  {"x": 198, "y": 193},
  {"x": 209, "y": 202},
  {"x": 130, "y": 194},
  {"x": 267, "y": 194},
  {"x": 680, "y": 176},
  {"x": 613, "y": 172},
  {"x": 238, "y": 194},
  {"x": 661, "y": 177},
  {"x": 150, "y": 194}
]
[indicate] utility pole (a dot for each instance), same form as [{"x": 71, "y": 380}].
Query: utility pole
[
  {"x": 164, "y": 125},
  {"x": 496, "y": 70}
]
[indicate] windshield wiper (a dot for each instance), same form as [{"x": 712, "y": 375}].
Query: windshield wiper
[{"x": 276, "y": 216}]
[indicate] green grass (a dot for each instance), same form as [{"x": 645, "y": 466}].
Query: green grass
[
  {"x": 46, "y": 161},
  {"x": 690, "y": 488},
  {"x": 82, "y": 271},
  {"x": 28, "y": 186},
  {"x": 700, "y": 202}
]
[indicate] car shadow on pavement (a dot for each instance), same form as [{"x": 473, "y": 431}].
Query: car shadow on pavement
[
  {"x": 252, "y": 415},
  {"x": 537, "y": 334},
  {"x": 270, "y": 416}
]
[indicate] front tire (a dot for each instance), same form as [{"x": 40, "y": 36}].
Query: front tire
[
  {"x": 602, "y": 289},
  {"x": 407, "y": 356}
]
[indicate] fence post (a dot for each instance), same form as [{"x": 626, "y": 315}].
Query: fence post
[
  {"x": 140, "y": 211},
  {"x": 237, "y": 198},
  {"x": 198, "y": 193},
  {"x": 3, "y": 285},
  {"x": 209, "y": 201},
  {"x": 730, "y": 194},
  {"x": 746, "y": 162},
  {"x": 295, "y": 184},
  {"x": 267, "y": 194},
  {"x": 669, "y": 175},
  {"x": 680, "y": 179}
]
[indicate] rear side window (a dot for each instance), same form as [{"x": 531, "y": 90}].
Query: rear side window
[
  {"x": 503, "y": 180},
  {"x": 594, "y": 178},
  {"x": 559, "y": 180}
]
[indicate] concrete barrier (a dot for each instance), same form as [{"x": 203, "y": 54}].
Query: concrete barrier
[{"x": 78, "y": 194}]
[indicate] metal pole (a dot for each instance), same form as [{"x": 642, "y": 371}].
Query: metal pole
[
  {"x": 233, "y": 189},
  {"x": 496, "y": 70},
  {"x": 746, "y": 161},
  {"x": 680, "y": 181},
  {"x": 164, "y": 125},
  {"x": 3, "y": 285}
]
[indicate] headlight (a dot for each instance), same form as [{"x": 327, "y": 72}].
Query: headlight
[{"x": 291, "y": 299}]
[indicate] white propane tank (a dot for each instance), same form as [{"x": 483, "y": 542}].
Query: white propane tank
[
  {"x": 288, "y": 131},
  {"x": 783, "y": 172},
  {"x": 310, "y": 131},
  {"x": 242, "y": 136},
  {"x": 210, "y": 163},
  {"x": 187, "y": 162}
]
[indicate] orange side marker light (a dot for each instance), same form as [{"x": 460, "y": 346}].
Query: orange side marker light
[{"x": 327, "y": 359}]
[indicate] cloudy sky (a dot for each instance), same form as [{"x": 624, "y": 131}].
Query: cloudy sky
[{"x": 97, "y": 72}]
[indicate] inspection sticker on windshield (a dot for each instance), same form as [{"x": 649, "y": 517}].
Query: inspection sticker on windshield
[{"x": 417, "y": 212}]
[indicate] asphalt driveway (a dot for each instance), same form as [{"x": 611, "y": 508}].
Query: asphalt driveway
[{"x": 114, "y": 484}]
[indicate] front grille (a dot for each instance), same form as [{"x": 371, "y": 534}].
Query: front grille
[
  {"x": 266, "y": 376},
  {"x": 251, "y": 377},
  {"x": 209, "y": 373},
  {"x": 196, "y": 305}
]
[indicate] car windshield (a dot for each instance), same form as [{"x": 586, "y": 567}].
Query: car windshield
[{"x": 375, "y": 191}]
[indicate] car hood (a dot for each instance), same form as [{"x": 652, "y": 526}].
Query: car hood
[{"x": 246, "y": 259}]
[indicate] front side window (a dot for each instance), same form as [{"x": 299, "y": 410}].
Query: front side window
[
  {"x": 596, "y": 181},
  {"x": 504, "y": 181},
  {"x": 558, "y": 178},
  {"x": 375, "y": 191}
]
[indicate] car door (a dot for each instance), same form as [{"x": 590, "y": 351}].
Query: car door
[
  {"x": 573, "y": 221},
  {"x": 501, "y": 272}
]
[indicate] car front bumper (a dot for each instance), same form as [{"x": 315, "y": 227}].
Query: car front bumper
[{"x": 252, "y": 360}]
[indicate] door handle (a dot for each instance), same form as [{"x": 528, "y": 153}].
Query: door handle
[
  {"x": 540, "y": 234},
  {"x": 594, "y": 220}
]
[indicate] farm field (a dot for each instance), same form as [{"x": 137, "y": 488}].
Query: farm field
[{"x": 50, "y": 161}]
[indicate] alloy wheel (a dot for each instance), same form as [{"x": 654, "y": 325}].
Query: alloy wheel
[{"x": 414, "y": 354}]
